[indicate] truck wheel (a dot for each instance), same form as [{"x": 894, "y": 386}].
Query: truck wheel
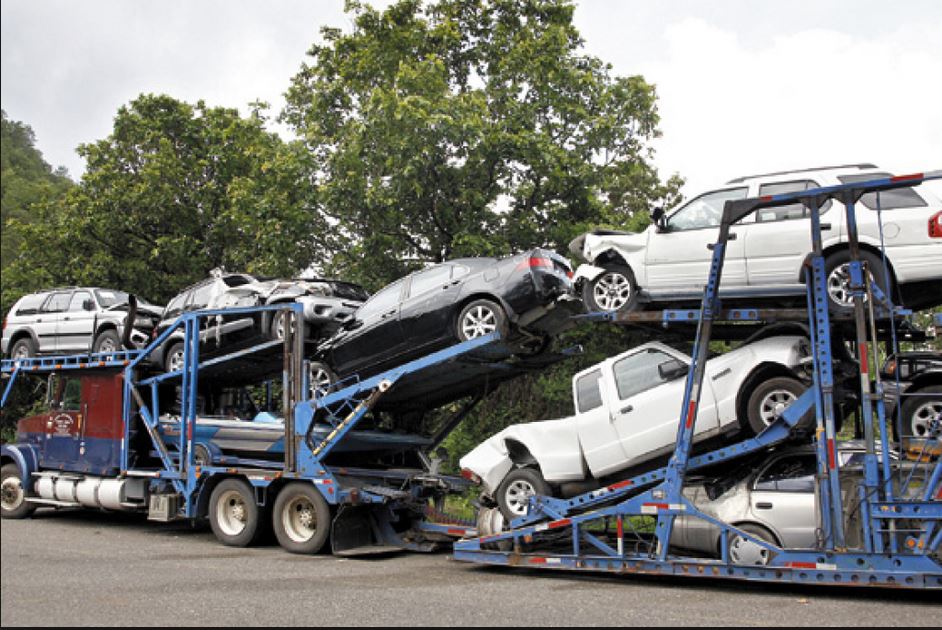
[
  {"x": 919, "y": 410},
  {"x": 107, "y": 341},
  {"x": 24, "y": 348},
  {"x": 770, "y": 398},
  {"x": 481, "y": 317},
  {"x": 233, "y": 513},
  {"x": 513, "y": 495},
  {"x": 614, "y": 290},
  {"x": 13, "y": 502},
  {"x": 301, "y": 518}
]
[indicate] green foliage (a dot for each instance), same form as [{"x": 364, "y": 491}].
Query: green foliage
[
  {"x": 174, "y": 191},
  {"x": 26, "y": 180},
  {"x": 469, "y": 128}
]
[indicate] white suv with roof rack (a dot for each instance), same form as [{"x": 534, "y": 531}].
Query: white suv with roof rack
[{"x": 669, "y": 261}]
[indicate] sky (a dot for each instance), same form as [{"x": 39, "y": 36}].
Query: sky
[{"x": 744, "y": 86}]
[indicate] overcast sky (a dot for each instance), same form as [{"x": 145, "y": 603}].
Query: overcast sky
[{"x": 744, "y": 86}]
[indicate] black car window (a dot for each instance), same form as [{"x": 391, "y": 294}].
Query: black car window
[
  {"x": 793, "y": 473},
  {"x": 588, "y": 393},
  {"x": 888, "y": 199},
  {"x": 382, "y": 301},
  {"x": 237, "y": 280},
  {"x": 30, "y": 304},
  {"x": 793, "y": 211},
  {"x": 638, "y": 372},
  {"x": 705, "y": 211},
  {"x": 58, "y": 303},
  {"x": 78, "y": 300},
  {"x": 434, "y": 278}
]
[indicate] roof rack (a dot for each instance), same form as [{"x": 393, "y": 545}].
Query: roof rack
[{"x": 863, "y": 165}]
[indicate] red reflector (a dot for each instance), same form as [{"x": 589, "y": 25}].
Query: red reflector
[
  {"x": 660, "y": 506},
  {"x": 537, "y": 560},
  {"x": 831, "y": 456},
  {"x": 906, "y": 178},
  {"x": 691, "y": 412},
  {"x": 620, "y": 484},
  {"x": 456, "y": 532},
  {"x": 560, "y": 523},
  {"x": 766, "y": 198},
  {"x": 864, "y": 367},
  {"x": 801, "y": 565}
]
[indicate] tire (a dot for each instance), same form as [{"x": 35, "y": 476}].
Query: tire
[
  {"x": 301, "y": 518},
  {"x": 745, "y": 552},
  {"x": 24, "y": 348},
  {"x": 276, "y": 331},
  {"x": 234, "y": 515},
  {"x": 13, "y": 503},
  {"x": 479, "y": 318},
  {"x": 515, "y": 490},
  {"x": 321, "y": 379},
  {"x": 768, "y": 399},
  {"x": 173, "y": 359},
  {"x": 615, "y": 290},
  {"x": 917, "y": 411},
  {"x": 202, "y": 456},
  {"x": 838, "y": 279},
  {"x": 107, "y": 341}
]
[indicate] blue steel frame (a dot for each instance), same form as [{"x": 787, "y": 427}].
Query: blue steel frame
[{"x": 554, "y": 532}]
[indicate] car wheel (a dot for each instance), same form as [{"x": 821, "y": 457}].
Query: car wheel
[
  {"x": 277, "y": 330},
  {"x": 321, "y": 379},
  {"x": 745, "y": 552},
  {"x": 837, "y": 268},
  {"x": 770, "y": 398},
  {"x": 513, "y": 495},
  {"x": 201, "y": 456},
  {"x": 13, "y": 503},
  {"x": 107, "y": 342},
  {"x": 919, "y": 410},
  {"x": 481, "y": 317},
  {"x": 233, "y": 513},
  {"x": 173, "y": 361},
  {"x": 24, "y": 348},
  {"x": 614, "y": 290},
  {"x": 301, "y": 518}
]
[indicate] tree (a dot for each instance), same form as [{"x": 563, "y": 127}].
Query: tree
[
  {"x": 174, "y": 191},
  {"x": 25, "y": 179},
  {"x": 469, "y": 127}
]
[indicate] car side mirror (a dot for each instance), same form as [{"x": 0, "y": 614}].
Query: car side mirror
[
  {"x": 88, "y": 305},
  {"x": 351, "y": 324},
  {"x": 660, "y": 220},
  {"x": 673, "y": 369}
]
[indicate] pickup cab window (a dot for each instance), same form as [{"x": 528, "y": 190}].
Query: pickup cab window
[
  {"x": 638, "y": 372},
  {"x": 588, "y": 394}
]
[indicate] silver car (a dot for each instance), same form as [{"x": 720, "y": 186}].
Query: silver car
[
  {"x": 774, "y": 501},
  {"x": 72, "y": 320}
]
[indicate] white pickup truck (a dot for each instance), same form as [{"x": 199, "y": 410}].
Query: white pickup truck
[{"x": 626, "y": 413}]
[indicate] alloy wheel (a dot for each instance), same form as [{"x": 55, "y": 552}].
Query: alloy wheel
[
  {"x": 478, "y": 321},
  {"x": 773, "y": 405},
  {"x": 612, "y": 291},
  {"x": 517, "y": 496},
  {"x": 923, "y": 417}
]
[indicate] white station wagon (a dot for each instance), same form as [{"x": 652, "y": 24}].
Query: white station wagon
[
  {"x": 670, "y": 260},
  {"x": 626, "y": 414}
]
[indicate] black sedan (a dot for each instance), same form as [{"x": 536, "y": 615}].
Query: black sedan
[{"x": 526, "y": 297}]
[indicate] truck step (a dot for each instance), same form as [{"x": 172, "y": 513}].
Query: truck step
[{"x": 53, "y": 502}]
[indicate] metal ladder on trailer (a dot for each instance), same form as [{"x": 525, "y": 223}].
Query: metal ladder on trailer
[{"x": 626, "y": 527}]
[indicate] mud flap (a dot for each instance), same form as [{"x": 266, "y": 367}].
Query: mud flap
[{"x": 367, "y": 530}]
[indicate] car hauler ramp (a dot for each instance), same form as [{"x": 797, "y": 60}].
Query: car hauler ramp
[{"x": 898, "y": 508}]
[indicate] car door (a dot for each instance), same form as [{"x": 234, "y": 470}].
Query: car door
[
  {"x": 598, "y": 438},
  {"x": 777, "y": 240},
  {"x": 373, "y": 336},
  {"x": 64, "y": 423},
  {"x": 677, "y": 257},
  {"x": 47, "y": 321},
  {"x": 646, "y": 406},
  {"x": 77, "y": 324},
  {"x": 425, "y": 315},
  {"x": 783, "y": 498}
]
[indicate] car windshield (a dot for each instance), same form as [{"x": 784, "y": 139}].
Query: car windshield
[
  {"x": 107, "y": 297},
  {"x": 705, "y": 211}
]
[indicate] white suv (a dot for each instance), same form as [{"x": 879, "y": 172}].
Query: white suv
[{"x": 669, "y": 261}]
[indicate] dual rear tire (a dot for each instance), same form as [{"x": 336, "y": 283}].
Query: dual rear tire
[{"x": 300, "y": 516}]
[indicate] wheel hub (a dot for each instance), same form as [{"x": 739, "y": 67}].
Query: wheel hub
[{"x": 11, "y": 493}]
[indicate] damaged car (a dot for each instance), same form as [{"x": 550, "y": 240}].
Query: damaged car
[
  {"x": 327, "y": 304},
  {"x": 77, "y": 319},
  {"x": 626, "y": 417},
  {"x": 527, "y": 298}
]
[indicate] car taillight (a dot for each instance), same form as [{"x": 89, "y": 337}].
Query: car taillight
[
  {"x": 935, "y": 225},
  {"x": 470, "y": 476},
  {"x": 4, "y": 323}
]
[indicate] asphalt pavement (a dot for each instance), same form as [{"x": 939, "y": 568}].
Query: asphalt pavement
[{"x": 88, "y": 568}]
